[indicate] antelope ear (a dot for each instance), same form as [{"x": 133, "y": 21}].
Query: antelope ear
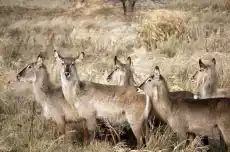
[
  {"x": 57, "y": 55},
  {"x": 40, "y": 60},
  {"x": 43, "y": 55},
  {"x": 40, "y": 55},
  {"x": 81, "y": 56},
  {"x": 115, "y": 60},
  {"x": 129, "y": 61},
  {"x": 201, "y": 64},
  {"x": 214, "y": 61},
  {"x": 157, "y": 72}
]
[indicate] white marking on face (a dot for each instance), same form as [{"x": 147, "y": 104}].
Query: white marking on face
[
  {"x": 140, "y": 91},
  {"x": 147, "y": 98},
  {"x": 155, "y": 93}
]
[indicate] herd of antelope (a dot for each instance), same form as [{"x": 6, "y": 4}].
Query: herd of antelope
[{"x": 205, "y": 113}]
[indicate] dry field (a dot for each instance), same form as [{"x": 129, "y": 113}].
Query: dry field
[{"x": 173, "y": 34}]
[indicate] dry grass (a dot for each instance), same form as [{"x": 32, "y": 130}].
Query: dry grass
[
  {"x": 206, "y": 4},
  {"x": 173, "y": 37},
  {"x": 162, "y": 26}
]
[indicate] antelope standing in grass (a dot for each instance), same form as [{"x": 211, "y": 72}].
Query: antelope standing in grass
[
  {"x": 51, "y": 99},
  {"x": 207, "y": 81},
  {"x": 188, "y": 116},
  {"x": 122, "y": 74},
  {"x": 94, "y": 100}
]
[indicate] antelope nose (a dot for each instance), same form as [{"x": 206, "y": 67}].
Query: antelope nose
[
  {"x": 108, "y": 79},
  {"x": 192, "y": 79},
  {"x": 67, "y": 74},
  {"x": 18, "y": 77}
]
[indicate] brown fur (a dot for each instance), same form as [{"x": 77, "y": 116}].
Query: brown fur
[
  {"x": 55, "y": 68},
  {"x": 122, "y": 73},
  {"x": 207, "y": 81},
  {"x": 184, "y": 116},
  {"x": 94, "y": 100},
  {"x": 50, "y": 98}
]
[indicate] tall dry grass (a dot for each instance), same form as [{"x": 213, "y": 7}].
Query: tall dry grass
[{"x": 173, "y": 37}]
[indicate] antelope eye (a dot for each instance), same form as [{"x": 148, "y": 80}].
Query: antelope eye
[
  {"x": 117, "y": 68},
  {"x": 62, "y": 63},
  {"x": 29, "y": 66},
  {"x": 149, "y": 80}
]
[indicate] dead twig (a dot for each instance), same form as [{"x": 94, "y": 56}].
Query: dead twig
[{"x": 31, "y": 124}]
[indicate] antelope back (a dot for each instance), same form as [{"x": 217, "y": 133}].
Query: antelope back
[{"x": 99, "y": 97}]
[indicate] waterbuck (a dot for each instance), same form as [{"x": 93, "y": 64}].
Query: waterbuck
[
  {"x": 94, "y": 100},
  {"x": 50, "y": 98},
  {"x": 55, "y": 68},
  {"x": 207, "y": 80},
  {"x": 188, "y": 116},
  {"x": 122, "y": 73}
]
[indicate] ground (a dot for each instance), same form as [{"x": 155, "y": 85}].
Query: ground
[{"x": 173, "y": 34}]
